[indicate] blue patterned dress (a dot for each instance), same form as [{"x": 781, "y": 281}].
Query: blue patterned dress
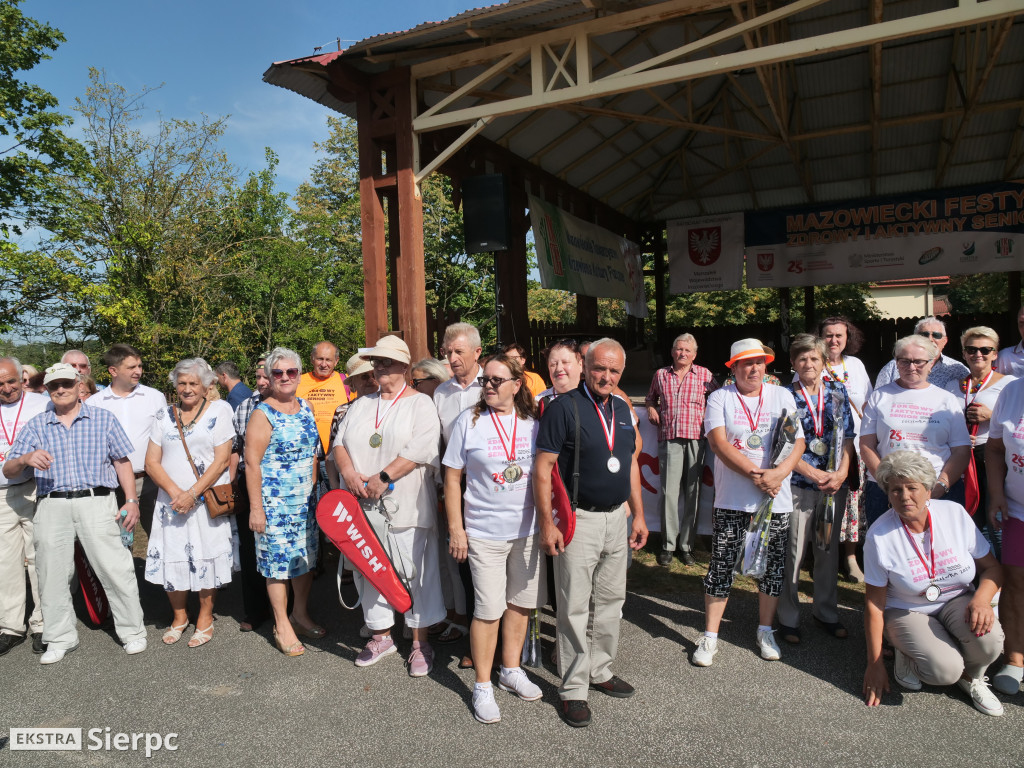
[{"x": 288, "y": 547}]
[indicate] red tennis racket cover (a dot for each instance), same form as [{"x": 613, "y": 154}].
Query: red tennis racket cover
[
  {"x": 561, "y": 510},
  {"x": 92, "y": 591},
  {"x": 342, "y": 520}
]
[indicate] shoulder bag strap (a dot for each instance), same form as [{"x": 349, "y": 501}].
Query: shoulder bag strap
[
  {"x": 576, "y": 455},
  {"x": 184, "y": 443}
]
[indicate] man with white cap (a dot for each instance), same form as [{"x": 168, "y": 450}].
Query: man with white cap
[
  {"x": 17, "y": 509},
  {"x": 79, "y": 454},
  {"x": 740, "y": 421}
]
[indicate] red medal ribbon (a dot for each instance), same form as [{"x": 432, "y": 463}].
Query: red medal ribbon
[
  {"x": 817, "y": 420},
  {"x": 377, "y": 418},
  {"x": 609, "y": 433},
  {"x": 510, "y": 453},
  {"x": 756, "y": 418},
  {"x": 14, "y": 430},
  {"x": 931, "y": 529}
]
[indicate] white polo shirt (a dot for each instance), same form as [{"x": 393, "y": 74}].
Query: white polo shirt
[
  {"x": 1011, "y": 360},
  {"x": 136, "y": 413},
  {"x": 450, "y": 399}
]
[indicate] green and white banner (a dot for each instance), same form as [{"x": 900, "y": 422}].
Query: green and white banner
[{"x": 577, "y": 256}]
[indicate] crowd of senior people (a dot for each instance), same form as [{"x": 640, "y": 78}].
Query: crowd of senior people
[{"x": 473, "y": 469}]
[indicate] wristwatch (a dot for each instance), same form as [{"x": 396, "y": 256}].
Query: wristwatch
[{"x": 385, "y": 478}]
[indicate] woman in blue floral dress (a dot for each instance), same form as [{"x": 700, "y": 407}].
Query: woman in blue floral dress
[{"x": 280, "y": 449}]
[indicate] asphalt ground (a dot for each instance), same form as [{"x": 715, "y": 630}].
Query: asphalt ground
[{"x": 238, "y": 701}]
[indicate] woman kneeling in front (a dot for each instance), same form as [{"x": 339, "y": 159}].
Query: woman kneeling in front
[{"x": 920, "y": 559}]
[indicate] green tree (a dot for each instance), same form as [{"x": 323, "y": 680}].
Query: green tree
[{"x": 32, "y": 144}]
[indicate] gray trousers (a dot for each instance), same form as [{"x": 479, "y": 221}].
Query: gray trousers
[
  {"x": 681, "y": 463},
  {"x": 590, "y": 572},
  {"x": 826, "y": 564},
  {"x": 941, "y": 647},
  {"x": 17, "y": 508},
  {"x": 93, "y": 520}
]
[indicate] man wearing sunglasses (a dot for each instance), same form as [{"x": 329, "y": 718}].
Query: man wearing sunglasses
[
  {"x": 1011, "y": 359},
  {"x": 945, "y": 370},
  {"x": 80, "y": 454}
]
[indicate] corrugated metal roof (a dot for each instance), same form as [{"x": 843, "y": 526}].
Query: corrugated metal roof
[{"x": 812, "y": 137}]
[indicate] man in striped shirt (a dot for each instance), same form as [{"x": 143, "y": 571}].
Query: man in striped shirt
[{"x": 675, "y": 405}]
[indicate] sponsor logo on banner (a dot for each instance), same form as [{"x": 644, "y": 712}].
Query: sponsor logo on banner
[
  {"x": 1004, "y": 247},
  {"x": 765, "y": 261},
  {"x": 704, "y": 245}
]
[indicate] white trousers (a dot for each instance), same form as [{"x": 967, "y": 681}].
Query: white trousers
[
  {"x": 417, "y": 548},
  {"x": 17, "y": 508},
  {"x": 92, "y": 519}
]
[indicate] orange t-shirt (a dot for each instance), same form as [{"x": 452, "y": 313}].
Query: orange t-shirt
[
  {"x": 535, "y": 383},
  {"x": 324, "y": 397}
]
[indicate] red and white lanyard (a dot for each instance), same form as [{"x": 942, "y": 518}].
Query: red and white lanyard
[
  {"x": 931, "y": 532},
  {"x": 508, "y": 446},
  {"x": 755, "y": 419},
  {"x": 14, "y": 429},
  {"x": 609, "y": 432},
  {"x": 818, "y": 420},
  {"x": 967, "y": 389},
  {"x": 377, "y": 418}
]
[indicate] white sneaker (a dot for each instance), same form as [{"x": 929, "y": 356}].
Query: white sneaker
[
  {"x": 707, "y": 647},
  {"x": 53, "y": 655},
  {"x": 983, "y": 699},
  {"x": 135, "y": 646},
  {"x": 903, "y": 673},
  {"x": 485, "y": 708},
  {"x": 766, "y": 643},
  {"x": 516, "y": 681}
]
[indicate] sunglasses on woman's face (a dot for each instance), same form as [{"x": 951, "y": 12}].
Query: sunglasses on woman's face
[
  {"x": 291, "y": 373},
  {"x": 416, "y": 382},
  {"x": 986, "y": 351}
]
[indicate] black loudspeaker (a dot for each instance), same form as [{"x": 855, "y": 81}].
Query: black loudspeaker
[{"x": 485, "y": 220}]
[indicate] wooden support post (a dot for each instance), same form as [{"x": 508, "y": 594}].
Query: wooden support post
[
  {"x": 809, "y": 319},
  {"x": 515, "y": 322},
  {"x": 784, "y": 322},
  {"x": 371, "y": 211}
]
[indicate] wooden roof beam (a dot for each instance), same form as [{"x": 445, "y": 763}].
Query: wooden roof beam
[{"x": 875, "y": 109}]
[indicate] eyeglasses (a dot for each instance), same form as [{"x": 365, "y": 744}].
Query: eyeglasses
[
  {"x": 382, "y": 362},
  {"x": 986, "y": 351},
  {"x": 416, "y": 382},
  {"x": 932, "y": 334},
  {"x": 494, "y": 381},
  {"x": 277, "y": 373},
  {"x": 906, "y": 362},
  {"x": 53, "y": 386}
]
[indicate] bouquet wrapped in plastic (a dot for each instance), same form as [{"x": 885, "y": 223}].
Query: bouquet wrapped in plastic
[
  {"x": 824, "y": 518},
  {"x": 754, "y": 558}
]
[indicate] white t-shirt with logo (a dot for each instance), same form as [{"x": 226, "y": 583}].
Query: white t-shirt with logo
[
  {"x": 13, "y": 418},
  {"x": 987, "y": 397},
  {"x": 495, "y": 508},
  {"x": 928, "y": 421},
  {"x": 890, "y": 560},
  {"x": 1007, "y": 424},
  {"x": 733, "y": 491}
]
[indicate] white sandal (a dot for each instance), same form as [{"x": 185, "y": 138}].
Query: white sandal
[
  {"x": 201, "y": 636},
  {"x": 173, "y": 633}
]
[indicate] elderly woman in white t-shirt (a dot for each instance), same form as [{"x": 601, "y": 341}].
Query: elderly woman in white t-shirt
[
  {"x": 920, "y": 561},
  {"x": 910, "y": 414},
  {"x": 493, "y": 445},
  {"x": 739, "y": 421},
  {"x": 1004, "y": 459},
  {"x": 977, "y": 394}
]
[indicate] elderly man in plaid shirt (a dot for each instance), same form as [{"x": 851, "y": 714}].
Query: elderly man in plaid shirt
[
  {"x": 675, "y": 405},
  {"x": 80, "y": 454}
]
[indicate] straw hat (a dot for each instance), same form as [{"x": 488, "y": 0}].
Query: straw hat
[
  {"x": 746, "y": 348},
  {"x": 390, "y": 347},
  {"x": 356, "y": 365}
]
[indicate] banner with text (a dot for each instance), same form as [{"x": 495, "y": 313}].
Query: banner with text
[
  {"x": 944, "y": 232},
  {"x": 705, "y": 254},
  {"x": 575, "y": 255}
]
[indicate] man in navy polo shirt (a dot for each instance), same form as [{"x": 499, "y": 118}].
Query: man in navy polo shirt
[{"x": 590, "y": 573}]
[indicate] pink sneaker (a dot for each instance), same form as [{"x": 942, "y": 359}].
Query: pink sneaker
[
  {"x": 375, "y": 650},
  {"x": 421, "y": 660}
]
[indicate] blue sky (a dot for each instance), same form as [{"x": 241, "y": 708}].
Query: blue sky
[{"x": 211, "y": 56}]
